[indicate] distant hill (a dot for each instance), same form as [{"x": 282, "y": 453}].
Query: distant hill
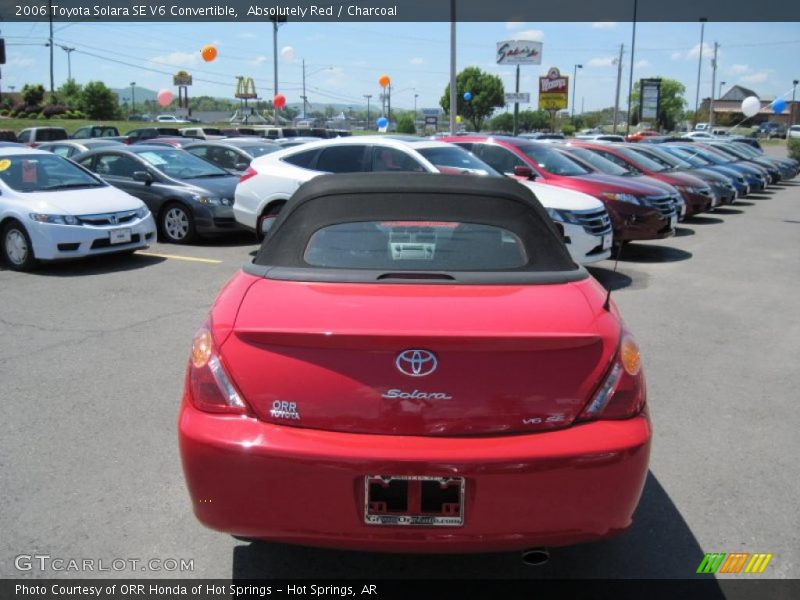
[{"x": 142, "y": 94}]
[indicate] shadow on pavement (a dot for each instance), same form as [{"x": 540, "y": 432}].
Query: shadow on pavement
[
  {"x": 659, "y": 544},
  {"x": 743, "y": 203},
  {"x": 698, "y": 220},
  {"x": 94, "y": 265},
  {"x": 759, "y": 196},
  {"x": 727, "y": 211},
  {"x": 651, "y": 253},
  {"x": 228, "y": 240},
  {"x": 609, "y": 279},
  {"x": 683, "y": 231}
]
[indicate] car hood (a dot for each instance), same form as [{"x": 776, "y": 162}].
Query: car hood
[
  {"x": 562, "y": 198},
  {"x": 623, "y": 185},
  {"x": 217, "y": 186},
  {"x": 83, "y": 201}
]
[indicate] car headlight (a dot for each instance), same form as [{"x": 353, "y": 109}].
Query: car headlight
[
  {"x": 690, "y": 189},
  {"x": 623, "y": 197},
  {"x": 563, "y": 216},
  {"x": 210, "y": 200},
  {"x": 55, "y": 219},
  {"x": 142, "y": 212}
]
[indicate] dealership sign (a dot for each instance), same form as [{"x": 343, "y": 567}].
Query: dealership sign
[
  {"x": 553, "y": 90},
  {"x": 649, "y": 99},
  {"x": 519, "y": 52},
  {"x": 519, "y": 97}
]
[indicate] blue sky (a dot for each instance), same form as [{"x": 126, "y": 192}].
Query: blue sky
[{"x": 344, "y": 60}]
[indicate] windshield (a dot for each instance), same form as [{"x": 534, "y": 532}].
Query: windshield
[
  {"x": 686, "y": 155},
  {"x": 553, "y": 161},
  {"x": 43, "y": 173},
  {"x": 735, "y": 152},
  {"x": 180, "y": 164},
  {"x": 598, "y": 162},
  {"x": 664, "y": 158},
  {"x": 456, "y": 158},
  {"x": 643, "y": 162}
]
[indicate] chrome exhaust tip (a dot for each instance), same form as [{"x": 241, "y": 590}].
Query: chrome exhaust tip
[{"x": 534, "y": 557}]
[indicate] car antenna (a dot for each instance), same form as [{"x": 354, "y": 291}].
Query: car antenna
[{"x": 607, "y": 303}]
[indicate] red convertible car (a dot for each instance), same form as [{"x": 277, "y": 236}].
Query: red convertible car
[{"x": 413, "y": 363}]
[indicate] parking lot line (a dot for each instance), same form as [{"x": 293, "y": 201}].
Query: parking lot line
[{"x": 210, "y": 261}]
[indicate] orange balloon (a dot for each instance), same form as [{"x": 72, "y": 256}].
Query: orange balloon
[
  {"x": 384, "y": 80},
  {"x": 209, "y": 53}
]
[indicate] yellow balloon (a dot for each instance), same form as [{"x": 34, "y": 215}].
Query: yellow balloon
[{"x": 458, "y": 118}]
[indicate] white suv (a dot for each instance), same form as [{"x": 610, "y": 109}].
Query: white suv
[{"x": 271, "y": 180}]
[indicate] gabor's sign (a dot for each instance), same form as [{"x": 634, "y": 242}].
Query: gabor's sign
[{"x": 519, "y": 52}]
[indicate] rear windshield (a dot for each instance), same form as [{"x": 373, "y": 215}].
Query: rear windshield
[
  {"x": 51, "y": 135},
  {"x": 553, "y": 161},
  {"x": 423, "y": 245},
  {"x": 456, "y": 158}
]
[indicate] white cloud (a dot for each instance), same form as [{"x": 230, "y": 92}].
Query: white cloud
[
  {"x": 258, "y": 60},
  {"x": 759, "y": 77},
  {"x": 677, "y": 55},
  {"x": 708, "y": 51},
  {"x": 604, "y": 25},
  {"x": 514, "y": 25},
  {"x": 22, "y": 62},
  {"x": 247, "y": 35},
  {"x": 605, "y": 61},
  {"x": 739, "y": 69},
  {"x": 641, "y": 64},
  {"x": 417, "y": 61},
  {"x": 533, "y": 35},
  {"x": 178, "y": 59}
]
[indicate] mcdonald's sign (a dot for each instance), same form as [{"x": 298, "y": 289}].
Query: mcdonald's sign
[
  {"x": 734, "y": 563},
  {"x": 245, "y": 88}
]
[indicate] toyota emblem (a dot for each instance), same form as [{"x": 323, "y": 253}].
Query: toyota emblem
[{"x": 416, "y": 363}]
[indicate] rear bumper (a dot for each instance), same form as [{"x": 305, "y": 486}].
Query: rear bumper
[
  {"x": 215, "y": 219},
  {"x": 253, "y": 479}
]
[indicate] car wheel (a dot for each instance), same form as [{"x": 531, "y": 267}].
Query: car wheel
[
  {"x": 177, "y": 224},
  {"x": 16, "y": 249}
]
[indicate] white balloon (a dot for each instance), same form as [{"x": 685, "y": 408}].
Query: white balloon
[
  {"x": 750, "y": 106},
  {"x": 287, "y": 53}
]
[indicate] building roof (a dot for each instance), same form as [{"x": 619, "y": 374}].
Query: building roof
[{"x": 738, "y": 93}]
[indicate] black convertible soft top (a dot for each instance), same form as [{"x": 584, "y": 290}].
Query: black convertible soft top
[{"x": 347, "y": 198}]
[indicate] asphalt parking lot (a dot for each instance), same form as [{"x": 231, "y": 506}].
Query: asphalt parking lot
[{"x": 91, "y": 371}]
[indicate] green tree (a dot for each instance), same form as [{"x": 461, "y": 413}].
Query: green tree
[
  {"x": 405, "y": 124},
  {"x": 530, "y": 120},
  {"x": 502, "y": 122},
  {"x": 672, "y": 103},
  {"x": 487, "y": 94},
  {"x": 33, "y": 94},
  {"x": 70, "y": 93},
  {"x": 98, "y": 101}
]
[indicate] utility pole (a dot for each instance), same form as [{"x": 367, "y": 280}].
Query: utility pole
[
  {"x": 50, "y": 17},
  {"x": 713, "y": 86},
  {"x": 516, "y": 105},
  {"x": 389, "y": 103},
  {"x": 794, "y": 92},
  {"x": 630, "y": 79},
  {"x": 369, "y": 120},
  {"x": 619, "y": 83},
  {"x": 453, "y": 90},
  {"x": 304, "y": 89},
  {"x": 699, "y": 69},
  {"x": 415, "y": 109},
  {"x": 133, "y": 97},
  {"x": 69, "y": 52},
  {"x": 276, "y": 20},
  {"x": 574, "y": 87}
]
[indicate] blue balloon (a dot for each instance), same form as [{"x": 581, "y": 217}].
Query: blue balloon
[
  {"x": 779, "y": 106},
  {"x": 467, "y": 96},
  {"x": 382, "y": 122}
]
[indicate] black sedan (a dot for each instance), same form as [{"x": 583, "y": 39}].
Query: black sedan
[
  {"x": 188, "y": 196},
  {"x": 234, "y": 154}
]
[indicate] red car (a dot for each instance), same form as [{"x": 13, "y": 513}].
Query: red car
[
  {"x": 640, "y": 135},
  {"x": 637, "y": 211},
  {"x": 377, "y": 379},
  {"x": 696, "y": 193}
]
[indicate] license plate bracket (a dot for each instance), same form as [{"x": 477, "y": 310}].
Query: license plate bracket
[
  {"x": 120, "y": 236},
  {"x": 414, "y": 500}
]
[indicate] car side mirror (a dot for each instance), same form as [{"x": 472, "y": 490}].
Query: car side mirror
[
  {"x": 522, "y": 171},
  {"x": 144, "y": 177}
]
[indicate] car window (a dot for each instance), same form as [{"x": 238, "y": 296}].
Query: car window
[
  {"x": 341, "y": 159},
  {"x": 81, "y": 133},
  {"x": 51, "y": 135},
  {"x": 620, "y": 162},
  {"x": 453, "y": 157},
  {"x": 24, "y": 136},
  {"x": 62, "y": 150},
  {"x": 201, "y": 151},
  {"x": 117, "y": 165},
  {"x": 302, "y": 159},
  {"x": 498, "y": 158},
  {"x": 222, "y": 157},
  {"x": 43, "y": 173},
  {"x": 392, "y": 159},
  {"x": 421, "y": 245},
  {"x": 552, "y": 161},
  {"x": 180, "y": 164},
  {"x": 601, "y": 163}
]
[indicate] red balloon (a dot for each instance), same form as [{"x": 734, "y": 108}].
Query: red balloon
[{"x": 279, "y": 101}]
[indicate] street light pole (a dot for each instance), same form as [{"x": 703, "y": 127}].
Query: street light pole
[
  {"x": 50, "y": 17},
  {"x": 630, "y": 78},
  {"x": 574, "y": 87},
  {"x": 369, "y": 119},
  {"x": 713, "y": 85},
  {"x": 415, "y": 109},
  {"x": 699, "y": 69},
  {"x": 794, "y": 91},
  {"x": 133, "y": 97},
  {"x": 453, "y": 90},
  {"x": 619, "y": 82}
]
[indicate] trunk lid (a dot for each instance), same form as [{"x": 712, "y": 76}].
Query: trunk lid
[{"x": 354, "y": 357}]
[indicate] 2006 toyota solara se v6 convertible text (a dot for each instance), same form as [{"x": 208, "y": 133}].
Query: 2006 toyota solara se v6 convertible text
[{"x": 414, "y": 363}]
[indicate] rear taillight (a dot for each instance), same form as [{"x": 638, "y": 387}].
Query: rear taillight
[
  {"x": 622, "y": 393},
  {"x": 249, "y": 172},
  {"x": 210, "y": 387}
]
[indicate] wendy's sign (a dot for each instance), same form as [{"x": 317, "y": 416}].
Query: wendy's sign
[{"x": 553, "y": 90}]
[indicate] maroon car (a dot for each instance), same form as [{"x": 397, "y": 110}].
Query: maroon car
[
  {"x": 637, "y": 211},
  {"x": 696, "y": 193}
]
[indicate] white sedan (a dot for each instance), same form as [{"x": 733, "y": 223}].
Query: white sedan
[
  {"x": 272, "y": 179},
  {"x": 51, "y": 209}
]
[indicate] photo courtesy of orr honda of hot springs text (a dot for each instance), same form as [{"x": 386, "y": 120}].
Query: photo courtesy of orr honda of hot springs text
[{"x": 414, "y": 363}]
